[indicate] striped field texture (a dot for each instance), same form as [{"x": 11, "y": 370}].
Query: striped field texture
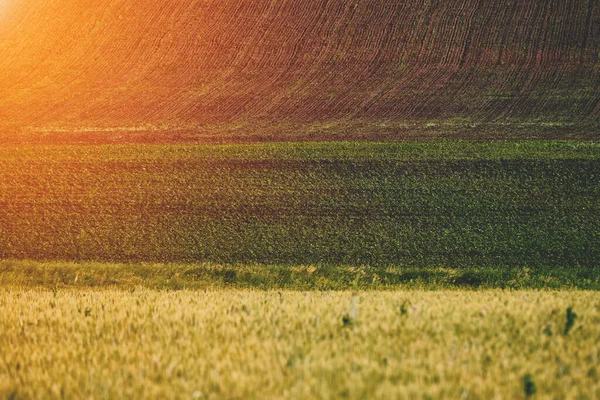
[{"x": 198, "y": 68}]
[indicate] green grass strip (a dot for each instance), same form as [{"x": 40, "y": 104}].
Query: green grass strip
[{"x": 128, "y": 276}]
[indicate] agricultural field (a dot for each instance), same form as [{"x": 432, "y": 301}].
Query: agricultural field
[
  {"x": 296, "y": 70},
  {"x": 222, "y": 199},
  {"x": 446, "y": 204},
  {"x": 300, "y": 270},
  {"x": 271, "y": 344}
]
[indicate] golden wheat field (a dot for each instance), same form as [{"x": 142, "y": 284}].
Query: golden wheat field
[{"x": 269, "y": 344}]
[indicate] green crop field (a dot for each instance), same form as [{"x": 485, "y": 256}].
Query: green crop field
[{"x": 447, "y": 204}]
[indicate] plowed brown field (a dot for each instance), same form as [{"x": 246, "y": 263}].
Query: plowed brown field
[{"x": 261, "y": 69}]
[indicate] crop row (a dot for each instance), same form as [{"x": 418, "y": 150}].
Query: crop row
[{"x": 66, "y": 65}]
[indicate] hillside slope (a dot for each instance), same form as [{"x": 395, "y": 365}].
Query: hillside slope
[{"x": 90, "y": 66}]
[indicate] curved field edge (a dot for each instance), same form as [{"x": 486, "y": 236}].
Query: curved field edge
[
  {"x": 129, "y": 276},
  {"x": 281, "y": 344}
]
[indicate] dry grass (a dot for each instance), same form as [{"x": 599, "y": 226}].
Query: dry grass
[{"x": 269, "y": 344}]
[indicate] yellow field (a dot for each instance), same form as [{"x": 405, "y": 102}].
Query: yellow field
[{"x": 269, "y": 344}]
